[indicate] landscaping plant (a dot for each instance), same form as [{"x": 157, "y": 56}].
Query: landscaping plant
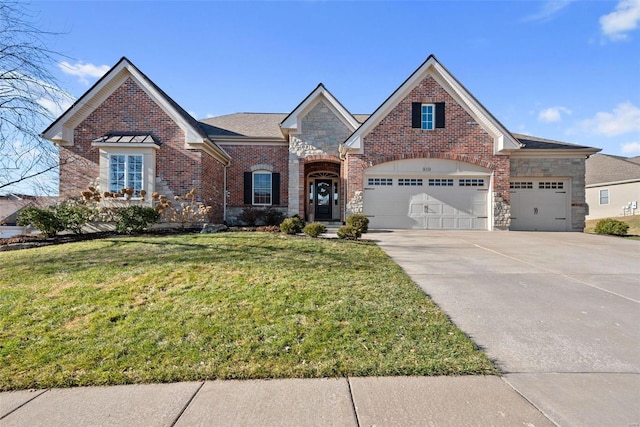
[
  {"x": 612, "y": 226},
  {"x": 314, "y": 229},
  {"x": 293, "y": 225},
  {"x": 359, "y": 222},
  {"x": 134, "y": 219},
  {"x": 348, "y": 232},
  {"x": 44, "y": 220}
]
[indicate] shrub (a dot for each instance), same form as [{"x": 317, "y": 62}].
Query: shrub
[
  {"x": 359, "y": 222},
  {"x": 43, "y": 219},
  {"x": 349, "y": 232},
  {"x": 73, "y": 216},
  {"x": 271, "y": 216},
  {"x": 612, "y": 226},
  {"x": 185, "y": 210},
  {"x": 250, "y": 216},
  {"x": 134, "y": 219},
  {"x": 314, "y": 229},
  {"x": 293, "y": 225}
]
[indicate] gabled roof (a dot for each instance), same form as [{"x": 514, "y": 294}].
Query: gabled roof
[
  {"x": 503, "y": 140},
  {"x": 292, "y": 122},
  {"x": 61, "y": 130},
  {"x": 605, "y": 168}
]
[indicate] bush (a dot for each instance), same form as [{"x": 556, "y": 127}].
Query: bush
[
  {"x": 134, "y": 219},
  {"x": 293, "y": 225},
  {"x": 612, "y": 226},
  {"x": 43, "y": 219},
  {"x": 349, "y": 232},
  {"x": 73, "y": 216},
  {"x": 271, "y": 216},
  {"x": 250, "y": 216},
  {"x": 359, "y": 222},
  {"x": 314, "y": 229}
]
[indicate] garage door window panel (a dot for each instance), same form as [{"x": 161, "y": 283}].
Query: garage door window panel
[{"x": 380, "y": 181}]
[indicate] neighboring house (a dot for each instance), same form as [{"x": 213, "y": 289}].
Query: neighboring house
[
  {"x": 10, "y": 207},
  {"x": 612, "y": 186},
  {"x": 12, "y": 204},
  {"x": 430, "y": 157}
]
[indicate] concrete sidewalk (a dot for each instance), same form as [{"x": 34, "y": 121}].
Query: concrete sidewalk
[{"x": 388, "y": 401}]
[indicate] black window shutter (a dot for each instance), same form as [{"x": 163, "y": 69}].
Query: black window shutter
[
  {"x": 248, "y": 187},
  {"x": 275, "y": 188},
  {"x": 416, "y": 115},
  {"x": 439, "y": 114}
]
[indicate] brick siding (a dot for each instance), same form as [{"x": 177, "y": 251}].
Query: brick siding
[
  {"x": 461, "y": 139},
  {"x": 130, "y": 109},
  {"x": 244, "y": 157}
]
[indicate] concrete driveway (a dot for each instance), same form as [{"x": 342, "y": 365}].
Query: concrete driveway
[{"x": 559, "y": 313}]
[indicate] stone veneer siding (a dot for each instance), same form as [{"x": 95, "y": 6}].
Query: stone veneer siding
[
  {"x": 130, "y": 109},
  {"x": 560, "y": 167},
  {"x": 461, "y": 139},
  {"x": 320, "y": 135},
  {"x": 243, "y": 158}
]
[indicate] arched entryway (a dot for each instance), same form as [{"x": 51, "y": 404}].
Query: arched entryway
[{"x": 323, "y": 188}]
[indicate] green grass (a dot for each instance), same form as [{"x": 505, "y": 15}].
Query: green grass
[
  {"x": 632, "y": 220},
  {"x": 232, "y": 305}
]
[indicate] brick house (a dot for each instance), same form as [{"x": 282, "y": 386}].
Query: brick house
[{"x": 430, "y": 157}]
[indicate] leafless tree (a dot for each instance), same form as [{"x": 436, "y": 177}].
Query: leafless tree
[{"x": 29, "y": 96}]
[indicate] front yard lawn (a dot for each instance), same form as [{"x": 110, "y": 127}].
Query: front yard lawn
[{"x": 232, "y": 305}]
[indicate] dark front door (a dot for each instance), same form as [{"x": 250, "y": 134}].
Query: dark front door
[{"x": 323, "y": 199}]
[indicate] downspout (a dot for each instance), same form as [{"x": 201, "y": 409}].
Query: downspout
[
  {"x": 225, "y": 194},
  {"x": 343, "y": 156}
]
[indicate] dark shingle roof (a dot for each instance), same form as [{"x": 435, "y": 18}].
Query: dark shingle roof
[
  {"x": 266, "y": 125},
  {"x": 602, "y": 168},
  {"x": 535, "y": 143}
]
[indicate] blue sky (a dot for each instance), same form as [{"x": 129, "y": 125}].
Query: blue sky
[{"x": 564, "y": 70}]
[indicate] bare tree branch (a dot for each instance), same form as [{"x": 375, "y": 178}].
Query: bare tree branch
[{"x": 28, "y": 94}]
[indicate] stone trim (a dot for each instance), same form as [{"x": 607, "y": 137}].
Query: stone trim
[{"x": 262, "y": 167}]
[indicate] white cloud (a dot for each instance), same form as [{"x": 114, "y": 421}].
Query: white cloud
[
  {"x": 56, "y": 108},
  {"x": 553, "y": 114},
  {"x": 625, "y": 118},
  {"x": 549, "y": 10},
  {"x": 631, "y": 148},
  {"x": 83, "y": 71},
  {"x": 623, "y": 19}
]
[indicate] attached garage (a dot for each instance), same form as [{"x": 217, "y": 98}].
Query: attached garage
[
  {"x": 427, "y": 194},
  {"x": 540, "y": 204}
]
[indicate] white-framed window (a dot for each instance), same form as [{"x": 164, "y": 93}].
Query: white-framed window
[
  {"x": 126, "y": 171},
  {"x": 604, "y": 197},
  {"x": 427, "y": 117},
  {"x": 262, "y": 188}
]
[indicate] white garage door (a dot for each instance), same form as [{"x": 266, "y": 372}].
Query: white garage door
[
  {"x": 426, "y": 202},
  {"x": 539, "y": 204}
]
